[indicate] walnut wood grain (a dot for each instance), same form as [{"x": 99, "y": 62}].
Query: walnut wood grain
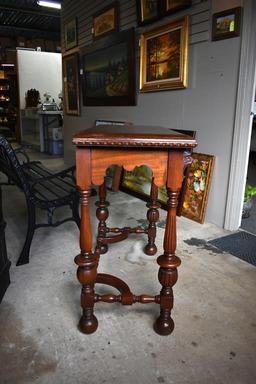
[
  {"x": 102, "y": 158},
  {"x": 87, "y": 261},
  {"x": 169, "y": 262}
]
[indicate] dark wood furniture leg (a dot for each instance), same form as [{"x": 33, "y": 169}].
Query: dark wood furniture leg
[
  {"x": 87, "y": 261},
  {"x": 169, "y": 262},
  {"x": 102, "y": 215},
  {"x": 152, "y": 216}
]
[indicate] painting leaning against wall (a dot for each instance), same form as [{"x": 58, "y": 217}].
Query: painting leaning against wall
[{"x": 195, "y": 198}]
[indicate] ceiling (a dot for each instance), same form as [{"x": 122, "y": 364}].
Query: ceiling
[{"x": 26, "y": 18}]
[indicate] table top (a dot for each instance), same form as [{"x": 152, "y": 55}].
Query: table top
[{"x": 132, "y": 136}]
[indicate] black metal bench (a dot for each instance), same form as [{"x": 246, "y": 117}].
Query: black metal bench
[{"x": 43, "y": 189}]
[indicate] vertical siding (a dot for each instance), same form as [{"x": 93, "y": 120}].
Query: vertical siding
[
  {"x": 207, "y": 105},
  {"x": 84, "y": 10}
]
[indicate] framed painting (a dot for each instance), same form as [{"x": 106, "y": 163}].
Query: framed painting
[
  {"x": 147, "y": 11},
  {"x": 109, "y": 71},
  {"x": 196, "y": 191},
  {"x": 172, "y": 6},
  {"x": 71, "y": 85},
  {"x": 198, "y": 186},
  {"x": 105, "y": 21},
  {"x": 226, "y": 24},
  {"x": 164, "y": 57},
  {"x": 70, "y": 32},
  {"x": 138, "y": 182}
]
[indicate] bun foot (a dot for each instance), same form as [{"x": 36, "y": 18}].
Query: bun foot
[
  {"x": 150, "y": 249},
  {"x": 164, "y": 327},
  {"x": 88, "y": 325}
]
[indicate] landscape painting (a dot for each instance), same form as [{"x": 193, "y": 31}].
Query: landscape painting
[
  {"x": 226, "y": 24},
  {"x": 164, "y": 57},
  {"x": 105, "y": 21},
  {"x": 108, "y": 76}
]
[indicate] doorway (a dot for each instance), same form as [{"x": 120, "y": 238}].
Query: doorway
[
  {"x": 249, "y": 217},
  {"x": 243, "y": 120}
]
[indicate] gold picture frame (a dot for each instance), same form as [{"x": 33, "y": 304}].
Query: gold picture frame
[
  {"x": 70, "y": 32},
  {"x": 71, "y": 85},
  {"x": 164, "y": 57},
  {"x": 105, "y": 21},
  {"x": 198, "y": 186},
  {"x": 171, "y": 6},
  {"x": 148, "y": 11},
  {"x": 194, "y": 197}
]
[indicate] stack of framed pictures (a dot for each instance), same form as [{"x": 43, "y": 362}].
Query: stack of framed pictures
[{"x": 195, "y": 196}]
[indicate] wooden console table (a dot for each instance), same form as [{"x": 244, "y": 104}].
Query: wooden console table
[{"x": 166, "y": 153}]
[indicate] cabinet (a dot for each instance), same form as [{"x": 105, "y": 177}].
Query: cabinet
[
  {"x": 42, "y": 130},
  {"x": 8, "y": 106}
]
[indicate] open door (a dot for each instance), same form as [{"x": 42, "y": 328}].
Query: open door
[{"x": 243, "y": 119}]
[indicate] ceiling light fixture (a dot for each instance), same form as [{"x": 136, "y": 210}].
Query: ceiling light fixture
[{"x": 49, "y": 4}]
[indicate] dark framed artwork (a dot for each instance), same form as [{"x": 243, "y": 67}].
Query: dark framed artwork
[
  {"x": 109, "y": 71},
  {"x": 148, "y": 11},
  {"x": 71, "y": 85},
  {"x": 172, "y": 6},
  {"x": 164, "y": 57},
  {"x": 106, "y": 21},
  {"x": 226, "y": 24},
  {"x": 70, "y": 32}
]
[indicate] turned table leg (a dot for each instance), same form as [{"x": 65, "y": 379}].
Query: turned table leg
[
  {"x": 87, "y": 261},
  {"x": 102, "y": 215},
  {"x": 169, "y": 262},
  {"x": 152, "y": 216}
]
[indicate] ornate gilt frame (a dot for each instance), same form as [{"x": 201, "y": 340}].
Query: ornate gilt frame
[{"x": 169, "y": 83}]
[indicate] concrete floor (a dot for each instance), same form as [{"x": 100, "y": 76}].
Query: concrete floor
[{"x": 214, "y": 339}]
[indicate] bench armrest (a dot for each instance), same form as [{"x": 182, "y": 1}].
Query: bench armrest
[{"x": 24, "y": 156}]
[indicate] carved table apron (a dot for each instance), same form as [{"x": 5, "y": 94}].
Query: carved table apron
[{"x": 165, "y": 152}]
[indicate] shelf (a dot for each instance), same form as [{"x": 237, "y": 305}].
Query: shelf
[{"x": 8, "y": 102}]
